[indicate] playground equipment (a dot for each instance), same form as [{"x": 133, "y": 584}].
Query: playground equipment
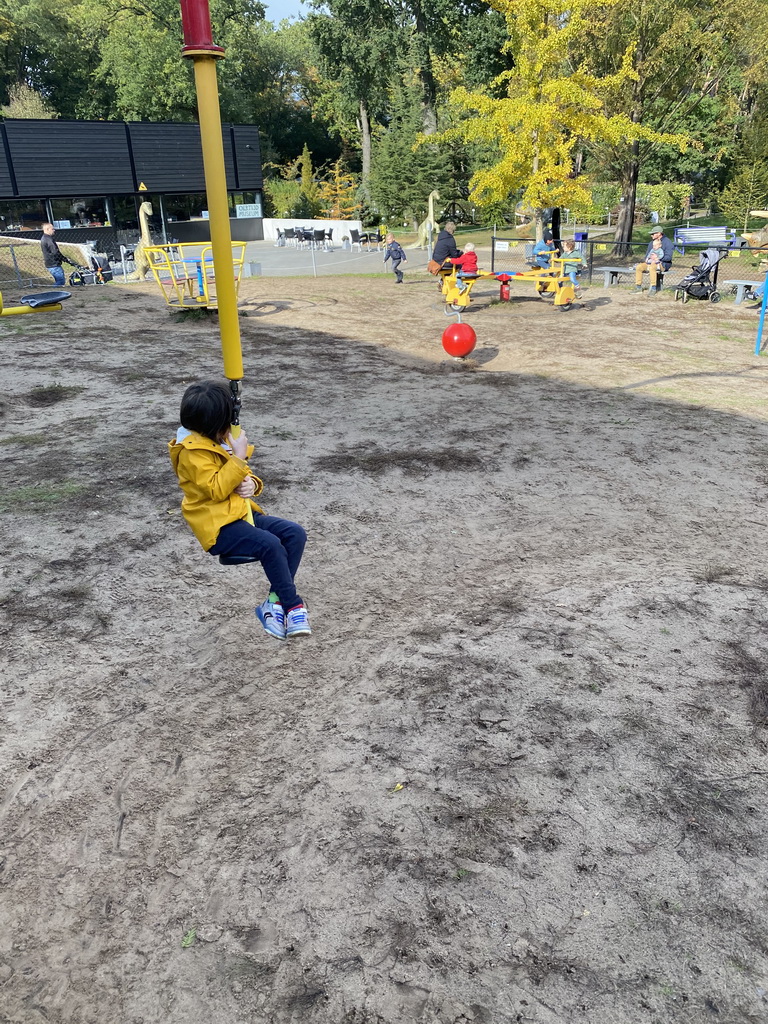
[
  {"x": 550, "y": 282},
  {"x": 459, "y": 340},
  {"x": 200, "y": 48},
  {"x": 185, "y": 275},
  {"x": 504, "y": 280},
  {"x": 456, "y": 291},
  {"x": 42, "y": 302},
  {"x": 547, "y": 282}
]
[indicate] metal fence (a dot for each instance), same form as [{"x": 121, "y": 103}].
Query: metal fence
[
  {"x": 22, "y": 267},
  {"x": 511, "y": 254}
]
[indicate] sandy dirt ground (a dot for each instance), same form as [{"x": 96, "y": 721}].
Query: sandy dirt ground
[{"x": 517, "y": 774}]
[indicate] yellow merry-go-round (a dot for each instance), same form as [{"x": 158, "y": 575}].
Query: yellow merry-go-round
[{"x": 184, "y": 272}]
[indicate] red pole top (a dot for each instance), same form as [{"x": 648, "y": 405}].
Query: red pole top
[{"x": 198, "y": 35}]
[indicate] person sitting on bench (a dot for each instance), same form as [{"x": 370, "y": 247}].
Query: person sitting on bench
[{"x": 658, "y": 258}]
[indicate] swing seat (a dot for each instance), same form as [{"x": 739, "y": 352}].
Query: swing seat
[
  {"x": 236, "y": 559},
  {"x": 45, "y": 298}
]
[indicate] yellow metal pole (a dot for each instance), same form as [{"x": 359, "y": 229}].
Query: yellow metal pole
[{"x": 218, "y": 212}]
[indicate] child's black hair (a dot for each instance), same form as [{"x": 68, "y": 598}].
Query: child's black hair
[{"x": 206, "y": 408}]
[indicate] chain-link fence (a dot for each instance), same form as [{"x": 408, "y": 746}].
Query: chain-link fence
[
  {"x": 22, "y": 267},
  {"x": 509, "y": 255}
]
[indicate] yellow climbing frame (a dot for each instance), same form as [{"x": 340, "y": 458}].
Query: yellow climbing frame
[{"x": 184, "y": 273}]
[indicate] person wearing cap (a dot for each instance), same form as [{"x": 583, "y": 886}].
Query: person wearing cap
[
  {"x": 658, "y": 257},
  {"x": 543, "y": 251}
]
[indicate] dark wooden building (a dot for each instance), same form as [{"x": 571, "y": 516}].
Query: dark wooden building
[{"x": 89, "y": 178}]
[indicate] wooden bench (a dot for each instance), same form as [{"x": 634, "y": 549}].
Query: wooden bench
[
  {"x": 740, "y": 287},
  {"x": 703, "y": 236}
]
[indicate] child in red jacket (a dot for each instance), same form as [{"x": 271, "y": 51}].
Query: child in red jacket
[{"x": 467, "y": 263}]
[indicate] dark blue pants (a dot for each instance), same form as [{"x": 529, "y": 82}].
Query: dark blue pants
[
  {"x": 277, "y": 543},
  {"x": 57, "y": 273},
  {"x": 396, "y": 270}
]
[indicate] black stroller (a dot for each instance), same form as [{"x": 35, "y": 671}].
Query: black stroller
[{"x": 699, "y": 284}]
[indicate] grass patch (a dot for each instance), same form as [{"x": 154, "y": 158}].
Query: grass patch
[
  {"x": 30, "y": 440},
  {"x": 194, "y": 313},
  {"x": 52, "y": 394},
  {"x": 38, "y": 496},
  {"x": 711, "y": 572}
]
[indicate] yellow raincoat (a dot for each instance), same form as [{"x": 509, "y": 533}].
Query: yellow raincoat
[{"x": 208, "y": 475}]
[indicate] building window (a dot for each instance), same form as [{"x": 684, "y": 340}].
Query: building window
[
  {"x": 24, "y": 215},
  {"x": 86, "y": 212},
  {"x": 245, "y": 204},
  {"x": 190, "y": 207},
  {"x": 126, "y": 216}
]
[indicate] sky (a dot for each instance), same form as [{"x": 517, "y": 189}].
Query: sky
[{"x": 279, "y": 9}]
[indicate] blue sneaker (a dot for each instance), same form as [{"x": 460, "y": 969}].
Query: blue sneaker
[
  {"x": 272, "y": 618},
  {"x": 297, "y": 622}
]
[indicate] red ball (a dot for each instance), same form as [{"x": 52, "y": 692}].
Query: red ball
[{"x": 459, "y": 340}]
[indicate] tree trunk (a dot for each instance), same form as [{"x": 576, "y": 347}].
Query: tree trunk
[
  {"x": 556, "y": 225},
  {"x": 626, "y": 218},
  {"x": 365, "y": 132},
  {"x": 423, "y": 55},
  {"x": 539, "y": 219}
]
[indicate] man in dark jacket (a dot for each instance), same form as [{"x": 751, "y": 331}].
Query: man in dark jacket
[
  {"x": 658, "y": 258},
  {"x": 53, "y": 256},
  {"x": 445, "y": 246}
]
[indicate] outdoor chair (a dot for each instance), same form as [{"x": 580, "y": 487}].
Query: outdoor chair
[
  {"x": 329, "y": 239},
  {"x": 290, "y": 237},
  {"x": 318, "y": 238},
  {"x": 357, "y": 239}
]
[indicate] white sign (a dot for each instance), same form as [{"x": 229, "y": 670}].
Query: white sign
[
  {"x": 502, "y": 247},
  {"x": 248, "y": 210},
  {"x": 204, "y": 214},
  {"x": 62, "y": 223}
]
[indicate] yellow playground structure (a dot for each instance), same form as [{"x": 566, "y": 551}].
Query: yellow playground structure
[
  {"x": 551, "y": 282},
  {"x": 547, "y": 282},
  {"x": 41, "y": 302},
  {"x": 184, "y": 272},
  {"x": 456, "y": 291}
]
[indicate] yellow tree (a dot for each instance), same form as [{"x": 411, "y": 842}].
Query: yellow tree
[
  {"x": 548, "y": 109},
  {"x": 338, "y": 194}
]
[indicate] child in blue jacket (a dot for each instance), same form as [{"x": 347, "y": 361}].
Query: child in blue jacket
[{"x": 397, "y": 255}]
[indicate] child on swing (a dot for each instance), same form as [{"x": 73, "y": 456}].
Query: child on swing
[{"x": 218, "y": 504}]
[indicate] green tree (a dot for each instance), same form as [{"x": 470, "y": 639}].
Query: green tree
[
  {"x": 23, "y": 101},
  {"x": 692, "y": 65},
  {"x": 354, "y": 40},
  {"x": 747, "y": 190},
  {"x": 402, "y": 178},
  {"x": 548, "y": 111}
]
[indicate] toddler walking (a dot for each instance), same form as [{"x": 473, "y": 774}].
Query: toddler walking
[
  {"x": 218, "y": 504},
  {"x": 396, "y": 253}
]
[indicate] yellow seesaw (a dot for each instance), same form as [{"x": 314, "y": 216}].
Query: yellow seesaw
[
  {"x": 42, "y": 302},
  {"x": 547, "y": 282},
  {"x": 458, "y": 297}
]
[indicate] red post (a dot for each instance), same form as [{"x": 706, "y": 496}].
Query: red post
[{"x": 196, "y": 24}]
